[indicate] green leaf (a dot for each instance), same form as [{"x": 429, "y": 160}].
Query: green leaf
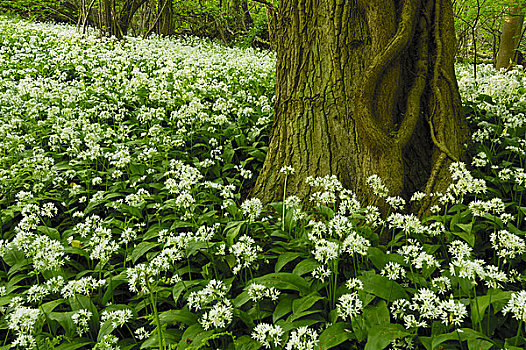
[
  {"x": 184, "y": 316},
  {"x": 65, "y": 320},
  {"x": 380, "y": 336},
  {"x": 335, "y": 334},
  {"x": 241, "y": 299},
  {"x": 466, "y": 233},
  {"x": 376, "y": 314},
  {"x": 232, "y": 230},
  {"x": 284, "y": 280},
  {"x": 141, "y": 249},
  {"x": 300, "y": 305},
  {"x": 463, "y": 334},
  {"x": 181, "y": 287},
  {"x": 382, "y": 287},
  {"x": 479, "y": 344},
  {"x": 49, "y": 231},
  {"x": 283, "y": 308},
  {"x": 305, "y": 266},
  {"x": 246, "y": 342},
  {"x": 75, "y": 345},
  {"x": 107, "y": 327},
  {"x": 193, "y": 336},
  {"x": 285, "y": 258},
  {"x": 481, "y": 303}
]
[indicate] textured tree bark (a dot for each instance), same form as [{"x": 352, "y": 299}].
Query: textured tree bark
[
  {"x": 166, "y": 17},
  {"x": 509, "y": 39},
  {"x": 364, "y": 87}
]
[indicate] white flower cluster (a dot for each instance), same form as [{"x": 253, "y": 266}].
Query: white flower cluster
[
  {"x": 268, "y": 335},
  {"x": 425, "y": 307},
  {"x": 246, "y": 252},
  {"x": 218, "y": 310},
  {"x": 257, "y": 292}
]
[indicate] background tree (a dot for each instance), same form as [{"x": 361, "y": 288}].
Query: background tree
[
  {"x": 511, "y": 35},
  {"x": 363, "y": 88}
]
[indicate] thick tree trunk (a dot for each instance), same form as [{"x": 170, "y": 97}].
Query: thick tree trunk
[
  {"x": 510, "y": 37},
  {"x": 364, "y": 87}
]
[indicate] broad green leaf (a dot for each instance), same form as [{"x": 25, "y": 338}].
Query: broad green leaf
[
  {"x": 141, "y": 249},
  {"x": 246, "y": 342},
  {"x": 171, "y": 337},
  {"x": 305, "y": 266},
  {"x": 285, "y": 258},
  {"x": 74, "y": 345},
  {"x": 284, "y": 280},
  {"x": 479, "y": 344},
  {"x": 465, "y": 233},
  {"x": 380, "y": 336},
  {"x": 376, "y": 314},
  {"x": 302, "y": 304},
  {"x": 241, "y": 299},
  {"x": 49, "y": 231},
  {"x": 184, "y": 316},
  {"x": 334, "y": 335},
  {"x": 382, "y": 287},
  {"x": 463, "y": 334},
  {"x": 181, "y": 287},
  {"x": 481, "y": 303},
  {"x": 283, "y": 308},
  {"x": 193, "y": 336},
  {"x": 107, "y": 327},
  {"x": 65, "y": 320},
  {"x": 232, "y": 230}
]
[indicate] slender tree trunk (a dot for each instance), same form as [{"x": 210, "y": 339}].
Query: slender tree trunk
[
  {"x": 364, "y": 87},
  {"x": 510, "y": 37},
  {"x": 165, "y": 23}
]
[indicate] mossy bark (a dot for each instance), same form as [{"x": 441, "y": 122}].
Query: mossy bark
[
  {"x": 364, "y": 87},
  {"x": 510, "y": 37}
]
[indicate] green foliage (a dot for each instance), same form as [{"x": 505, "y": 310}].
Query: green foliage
[{"x": 39, "y": 10}]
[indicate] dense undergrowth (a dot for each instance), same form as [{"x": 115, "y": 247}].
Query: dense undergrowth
[{"x": 123, "y": 223}]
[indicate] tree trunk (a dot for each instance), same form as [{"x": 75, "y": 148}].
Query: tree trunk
[
  {"x": 166, "y": 18},
  {"x": 364, "y": 87},
  {"x": 510, "y": 37}
]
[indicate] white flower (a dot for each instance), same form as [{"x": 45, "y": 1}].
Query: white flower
[
  {"x": 215, "y": 291},
  {"x": 321, "y": 273},
  {"x": 441, "y": 284},
  {"x": 325, "y": 251},
  {"x": 219, "y": 316},
  {"x": 354, "y": 283},
  {"x": 117, "y": 317},
  {"x": 453, "y": 312},
  {"x": 355, "y": 243},
  {"x": 376, "y": 184},
  {"x": 399, "y": 308},
  {"x": 246, "y": 251},
  {"x": 252, "y": 208},
  {"x": 287, "y": 170},
  {"x": 507, "y": 245},
  {"x": 23, "y": 319},
  {"x": 303, "y": 338},
  {"x": 517, "y": 306},
  {"x": 268, "y": 335},
  {"x": 141, "y": 333},
  {"x": 411, "y": 322},
  {"x": 349, "y": 306},
  {"x": 393, "y": 271},
  {"x": 81, "y": 319},
  {"x": 257, "y": 292}
]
